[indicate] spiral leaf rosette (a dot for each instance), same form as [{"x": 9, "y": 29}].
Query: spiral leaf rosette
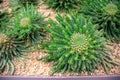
[
  {"x": 9, "y": 48},
  {"x": 29, "y": 24},
  {"x": 76, "y": 45},
  {"x": 79, "y": 42},
  {"x": 111, "y": 9},
  {"x": 3, "y": 38},
  {"x": 24, "y": 22},
  {"x": 106, "y": 13}
]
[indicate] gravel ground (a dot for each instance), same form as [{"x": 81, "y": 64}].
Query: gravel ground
[{"x": 33, "y": 67}]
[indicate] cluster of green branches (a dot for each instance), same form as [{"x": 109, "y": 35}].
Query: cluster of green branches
[
  {"x": 78, "y": 44},
  {"x": 106, "y": 13},
  {"x": 18, "y": 33}
]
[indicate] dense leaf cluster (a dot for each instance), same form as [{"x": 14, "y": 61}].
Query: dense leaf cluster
[
  {"x": 76, "y": 45},
  {"x": 106, "y": 13},
  {"x": 4, "y": 19},
  {"x": 10, "y": 48},
  {"x": 63, "y": 5},
  {"x": 17, "y": 31},
  {"x": 28, "y": 25}
]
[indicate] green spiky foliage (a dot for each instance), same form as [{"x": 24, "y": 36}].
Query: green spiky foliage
[
  {"x": 76, "y": 45},
  {"x": 106, "y": 13},
  {"x": 4, "y": 19},
  {"x": 16, "y": 4},
  {"x": 10, "y": 48},
  {"x": 62, "y": 5},
  {"x": 28, "y": 25},
  {"x": 24, "y": 2}
]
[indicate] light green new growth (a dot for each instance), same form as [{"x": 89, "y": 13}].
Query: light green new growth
[
  {"x": 111, "y": 9},
  {"x": 79, "y": 42},
  {"x": 3, "y": 38},
  {"x": 24, "y": 22}
]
